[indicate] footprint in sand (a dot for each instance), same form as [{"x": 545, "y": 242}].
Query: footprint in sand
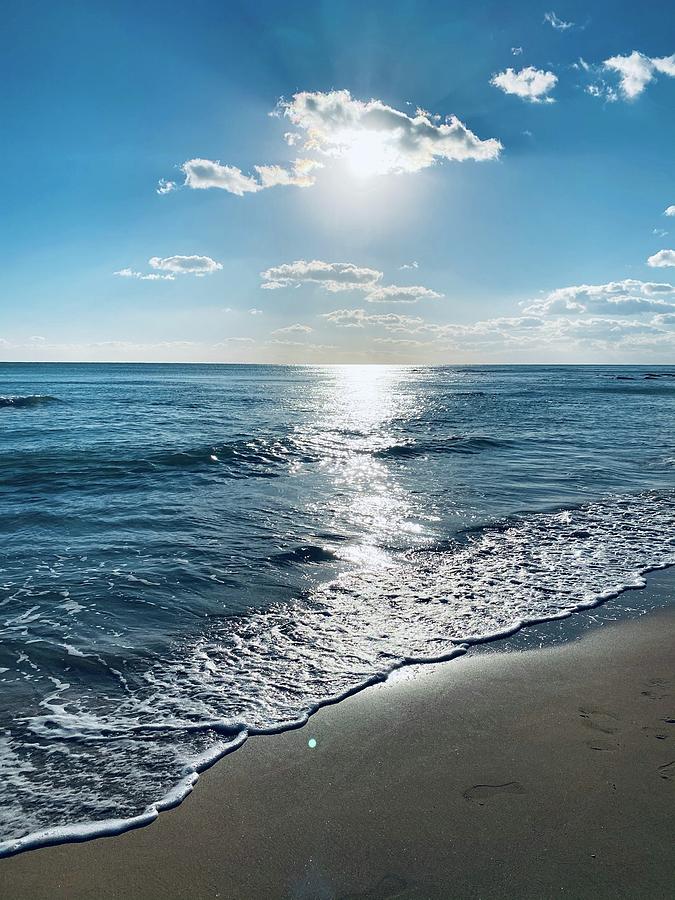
[
  {"x": 667, "y": 771},
  {"x": 602, "y": 745},
  {"x": 599, "y": 719},
  {"x": 656, "y": 689},
  {"x": 479, "y": 793},
  {"x": 659, "y": 733}
]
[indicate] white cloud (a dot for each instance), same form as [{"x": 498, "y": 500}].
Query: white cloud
[
  {"x": 300, "y": 175},
  {"x": 378, "y": 139},
  {"x": 165, "y": 187},
  {"x": 294, "y": 329},
  {"x": 332, "y": 276},
  {"x": 517, "y": 51},
  {"x": 555, "y": 22},
  {"x": 392, "y": 293},
  {"x": 635, "y": 72},
  {"x": 143, "y": 276},
  {"x": 358, "y": 318},
  {"x": 207, "y": 173},
  {"x": 413, "y": 265},
  {"x": 529, "y": 83},
  {"x": 255, "y": 312},
  {"x": 202, "y": 174},
  {"x": 627, "y": 297},
  {"x": 185, "y": 265},
  {"x": 669, "y": 211},
  {"x": 662, "y": 259},
  {"x": 335, "y": 277}
]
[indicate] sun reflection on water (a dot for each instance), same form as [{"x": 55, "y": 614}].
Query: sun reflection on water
[{"x": 361, "y": 405}]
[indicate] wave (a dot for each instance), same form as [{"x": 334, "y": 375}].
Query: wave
[
  {"x": 307, "y": 553},
  {"x": 30, "y": 400},
  {"x": 460, "y": 444},
  {"x": 270, "y": 670}
]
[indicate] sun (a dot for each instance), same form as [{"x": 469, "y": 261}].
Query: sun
[{"x": 368, "y": 153}]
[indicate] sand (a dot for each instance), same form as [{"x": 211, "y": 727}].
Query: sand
[{"x": 516, "y": 773}]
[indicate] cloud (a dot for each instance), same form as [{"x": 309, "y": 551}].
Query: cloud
[
  {"x": 413, "y": 265},
  {"x": 165, "y": 187},
  {"x": 517, "y": 51},
  {"x": 185, "y": 265},
  {"x": 659, "y": 232},
  {"x": 358, "y": 318},
  {"x": 394, "y": 294},
  {"x": 201, "y": 174},
  {"x": 255, "y": 312},
  {"x": 372, "y": 137},
  {"x": 669, "y": 211},
  {"x": 143, "y": 276},
  {"x": 336, "y": 277},
  {"x": 627, "y": 297},
  {"x": 332, "y": 276},
  {"x": 234, "y": 340},
  {"x": 662, "y": 259},
  {"x": 294, "y": 329},
  {"x": 529, "y": 83},
  {"x": 636, "y": 71},
  {"x": 378, "y": 139},
  {"x": 557, "y": 23}
]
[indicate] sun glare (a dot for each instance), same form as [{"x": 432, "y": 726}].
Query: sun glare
[{"x": 368, "y": 153}]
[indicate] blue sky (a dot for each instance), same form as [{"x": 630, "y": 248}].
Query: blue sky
[{"x": 532, "y": 227}]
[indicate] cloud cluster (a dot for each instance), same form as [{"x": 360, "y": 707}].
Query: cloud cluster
[
  {"x": 635, "y": 72},
  {"x": 616, "y": 298},
  {"x": 332, "y": 276},
  {"x": 528, "y": 83},
  {"x": 336, "y": 277},
  {"x": 378, "y": 137},
  {"x": 372, "y": 137},
  {"x": 170, "y": 266},
  {"x": 663, "y": 259}
]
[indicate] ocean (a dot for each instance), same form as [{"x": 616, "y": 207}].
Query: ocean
[{"x": 194, "y": 553}]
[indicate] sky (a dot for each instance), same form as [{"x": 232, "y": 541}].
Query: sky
[{"x": 338, "y": 182}]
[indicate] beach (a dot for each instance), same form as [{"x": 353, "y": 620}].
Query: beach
[{"x": 538, "y": 766}]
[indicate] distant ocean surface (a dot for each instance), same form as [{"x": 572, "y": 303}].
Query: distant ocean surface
[{"x": 193, "y": 553}]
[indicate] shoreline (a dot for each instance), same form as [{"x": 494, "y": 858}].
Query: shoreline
[
  {"x": 562, "y": 627},
  {"x": 130, "y": 865}
]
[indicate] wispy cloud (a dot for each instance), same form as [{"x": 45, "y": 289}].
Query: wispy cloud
[
  {"x": 297, "y": 328},
  {"x": 556, "y": 22},
  {"x": 528, "y": 84},
  {"x": 669, "y": 211},
  {"x": 143, "y": 276},
  {"x": 413, "y": 265}
]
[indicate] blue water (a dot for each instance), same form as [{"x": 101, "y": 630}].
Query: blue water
[{"x": 193, "y": 553}]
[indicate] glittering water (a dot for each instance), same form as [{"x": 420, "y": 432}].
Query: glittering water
[{"x": 192, "y": 553}]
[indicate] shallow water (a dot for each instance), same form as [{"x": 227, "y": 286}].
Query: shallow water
[{"x": 190, "y": 553}]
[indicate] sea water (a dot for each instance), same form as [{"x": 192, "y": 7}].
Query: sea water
[{"x": 194, "y": 553}]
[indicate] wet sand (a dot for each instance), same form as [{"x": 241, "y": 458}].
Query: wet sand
[{"x": 512, "y": 773}]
